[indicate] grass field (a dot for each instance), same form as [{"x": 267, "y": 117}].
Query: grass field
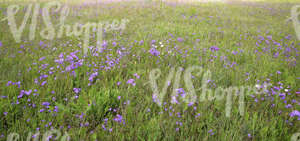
[{"x": 109, "y": 94}]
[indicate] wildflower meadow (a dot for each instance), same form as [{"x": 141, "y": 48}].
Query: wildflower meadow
[{"x": 203, "y": 70}]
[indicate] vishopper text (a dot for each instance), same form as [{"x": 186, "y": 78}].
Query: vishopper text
[
  {"x": 295, "y": 19},
  {"x": 49, "y": 32},
  {"x": 51, "y": 134},
  {"x": 207, "y": 94}
]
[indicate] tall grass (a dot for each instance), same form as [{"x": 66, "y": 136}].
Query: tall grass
[{"x": 92, "y": 98}]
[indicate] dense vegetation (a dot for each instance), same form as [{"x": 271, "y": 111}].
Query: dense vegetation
[{"x": 107, "y": 95}]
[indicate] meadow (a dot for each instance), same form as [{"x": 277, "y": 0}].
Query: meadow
[{"x": 109, "y": 92}]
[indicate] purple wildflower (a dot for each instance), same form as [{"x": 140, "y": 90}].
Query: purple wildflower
[
  {"x": 249, "y": 135},
  {"x": 288, "y": 106},
  {"x": 154, "y": 52},
  {"x": 92, "y": 76},
  {"x": 141, "y": 42},
  {"x": 118, "y": 118},
  {"x": 155, "y": 98},
  {"x": 181, "y": 92},
  {"x": 214, "y": 48},
  {"x": 103, "y": 126},
  {"x": 295, "y": 113},
  {"x": 153, "y": 42},
  {"x": 42, "y": 58},
  {"x": 131, "y": 81},
  {"x": 43, "y": 83},
  {"x": 190, "y": 104},
  {"x": 180, "y": 39},
  {"x": 55, "y": 109},
  {"x": 114, "y": 44},
  {"x": 174, "y": 100},
  {"x": 136, "y": 75},
  {"x": 119, "y": 83},
  {"x": 21, "y": 94},
  {"x": 77, "y": 90},
  {"x": 28, "y": 92},
  {"x": 45, "y": 103},
  {"x": 104, "y": 44},
  {"x": 9, "y": 83}
]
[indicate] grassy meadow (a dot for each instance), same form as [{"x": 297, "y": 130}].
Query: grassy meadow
[{"x": 107, "y": 94}]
